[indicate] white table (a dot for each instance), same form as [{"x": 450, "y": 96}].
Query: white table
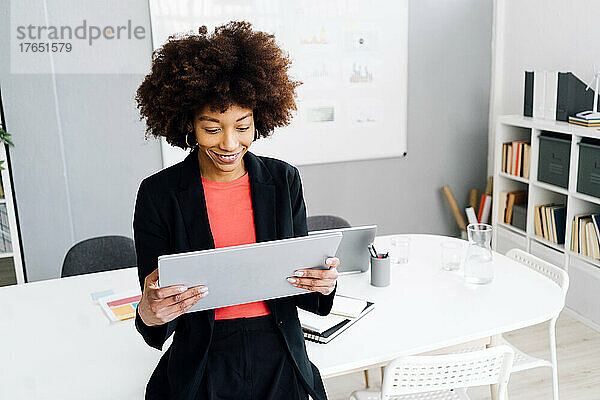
[
  {"x": 56, "y": 344},
  {"x": 426, "y": 308}
]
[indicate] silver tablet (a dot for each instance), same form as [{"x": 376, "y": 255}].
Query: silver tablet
[
  {"x": 247, "y": 273},
  {"x": 353, "y": 252}
]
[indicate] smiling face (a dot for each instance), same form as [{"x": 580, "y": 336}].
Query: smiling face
[{"x": 223, "y": 139}]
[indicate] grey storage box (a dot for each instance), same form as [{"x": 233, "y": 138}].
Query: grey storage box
[
  {"x": 554, "y": 159},
  {"x": 588, "y": 174},
  {"x": 519, "y": 216}
]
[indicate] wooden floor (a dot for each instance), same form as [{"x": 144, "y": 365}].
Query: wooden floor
[{"x": 578, "y": 366}]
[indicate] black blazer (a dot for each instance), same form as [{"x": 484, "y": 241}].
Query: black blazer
[{"x": 170, "y": 217}]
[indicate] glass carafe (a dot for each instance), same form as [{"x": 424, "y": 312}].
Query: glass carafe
[{"x": 478, "y": 263}]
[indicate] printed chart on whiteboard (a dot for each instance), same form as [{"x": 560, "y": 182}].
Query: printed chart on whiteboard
[{"x": 351, "y": 57}]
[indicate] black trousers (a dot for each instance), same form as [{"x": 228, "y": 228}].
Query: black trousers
[{"x": 248, "y": 360}]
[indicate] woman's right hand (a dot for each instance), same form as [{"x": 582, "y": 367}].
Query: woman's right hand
[{"x": 161, "y": 305}]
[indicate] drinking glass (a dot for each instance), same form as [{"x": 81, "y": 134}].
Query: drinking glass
[
  {"x": 478, "y": 263},
  {"x": 451, "y": 252},
  {"x": 400, "y": 248}
]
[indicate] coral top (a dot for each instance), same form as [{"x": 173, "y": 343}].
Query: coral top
[{"x": 231, "y": 218}]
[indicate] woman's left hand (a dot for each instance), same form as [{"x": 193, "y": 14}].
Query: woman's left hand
[{"x": 317, "y": 280}]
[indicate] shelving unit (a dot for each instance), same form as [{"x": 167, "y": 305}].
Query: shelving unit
[
  {"x": 584, "y": 272},
  {"x": 11, "y": 267}
]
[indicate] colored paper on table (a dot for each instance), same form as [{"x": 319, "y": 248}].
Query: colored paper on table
[
  {"x": 97, "y": 296},
  {"x": 120, "y": 307}
]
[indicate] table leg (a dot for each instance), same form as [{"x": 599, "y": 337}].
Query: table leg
[
  {"x": 382, "y": 371},
  {"x": 367, "y": 379},
  {"x": 494, "y": 341}
]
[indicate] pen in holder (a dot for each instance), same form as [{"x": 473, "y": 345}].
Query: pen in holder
[{"x": 380, "y": 270}]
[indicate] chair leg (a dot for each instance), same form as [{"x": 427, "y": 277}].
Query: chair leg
[
  {"x": 494, "y": 341},
  {"x": 367, "y": 379},
  {"x": 552, "y": 329}
]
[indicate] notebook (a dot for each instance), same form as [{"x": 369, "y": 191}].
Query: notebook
[{"x": 323, "y": 329}]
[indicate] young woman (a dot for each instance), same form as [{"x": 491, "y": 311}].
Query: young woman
[{"x": 216, "y": 94}]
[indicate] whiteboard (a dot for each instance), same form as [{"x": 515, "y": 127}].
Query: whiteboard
[{"x": 350, "y": 55}]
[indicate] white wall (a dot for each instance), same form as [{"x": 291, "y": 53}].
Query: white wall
[
  {"x": 547, "y": 35},
  {"x": 79, "y": 152},
  {"x": 552, "y": 35},
  {"x": 449, "y": 72},
  {"x": 90, "y": 191}
]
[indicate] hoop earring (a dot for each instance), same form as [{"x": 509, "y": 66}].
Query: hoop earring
[{"x": 187, "y": 141}]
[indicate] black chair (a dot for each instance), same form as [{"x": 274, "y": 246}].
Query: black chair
[
  {"x": 322, "y": 222},
  {"x": 104, "y": 253}
]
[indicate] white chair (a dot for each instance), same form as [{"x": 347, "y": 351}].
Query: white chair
[
  {"x": 561, "y": 278},
  {"x": 443, "y": 377}
]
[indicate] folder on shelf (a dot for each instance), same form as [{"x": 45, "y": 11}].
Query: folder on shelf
[
  {"x": 539, "y": 93},
  {"x": 528, "y": 95},
  {"x": 551, "y": 87},
  {"x": 572, "y": 96}
]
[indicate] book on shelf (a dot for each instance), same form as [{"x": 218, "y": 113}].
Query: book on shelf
[
  {"x": 537, "y": 221},
  {"x": 595, "y": 253},
  {"x": 573, "y": 230},
  {"x": 596, "y": 222},
  {"x": 519, "y": 218},
  {"x": 559, "y": 220},
  {"x": 502, "y": 197},
  {"x": 583, "y": 121},
  {"x": 526, "y": 161},
  {"x": 550, "y": 222},
  {"x": 512, "y": 198},
  {"x": 323, "y": 329},
  {"x": 585, "y": 235},
  {"x": 516, "y": 157},
  {"x": 583, "y": 242},
  {"x": 549, "y": 225},
  {"x": 590, "y": 236},
  {"x": 543, "y": 220}
]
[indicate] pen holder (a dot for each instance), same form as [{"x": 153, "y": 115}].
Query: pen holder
[{"x": 380, "y": 271}]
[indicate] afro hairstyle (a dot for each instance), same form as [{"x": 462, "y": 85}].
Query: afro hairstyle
[{"x": 232, "y": 66}]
